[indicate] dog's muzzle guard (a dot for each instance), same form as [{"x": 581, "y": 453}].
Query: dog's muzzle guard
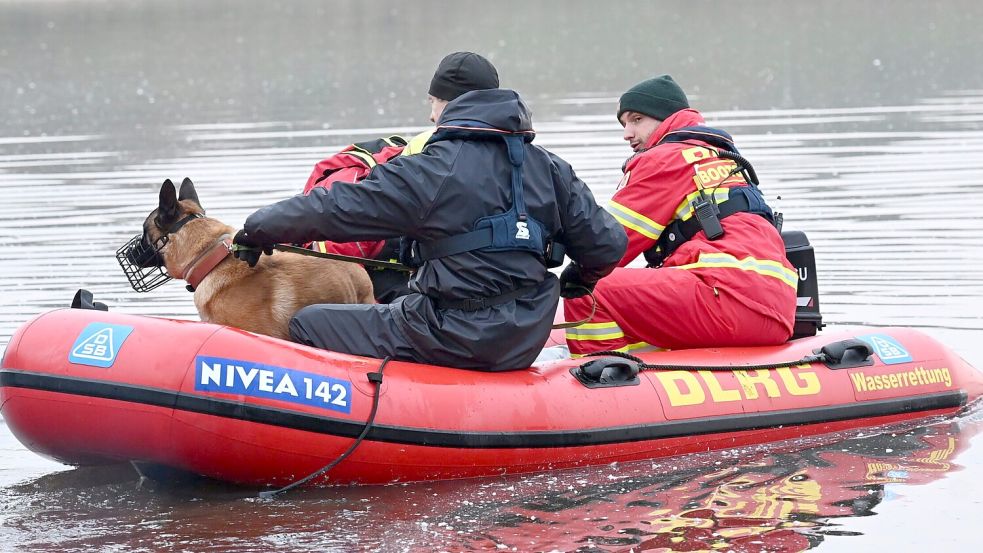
[{"x": 143, "y": 264}]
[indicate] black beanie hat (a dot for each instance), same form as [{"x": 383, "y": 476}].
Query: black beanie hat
[
  {"x": 659, "y": 97},
  {"x": 462, "y": 72}
]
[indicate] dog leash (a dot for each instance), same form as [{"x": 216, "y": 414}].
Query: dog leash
[
  {"x": 400, "y": 267},
  {"x": 349, "y": 258},
  {"x": 336, "y": 256}
]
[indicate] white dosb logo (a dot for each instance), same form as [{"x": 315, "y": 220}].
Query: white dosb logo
[
  {"x": 523, "y": 231},
  {"x": 98, "y": 346}
]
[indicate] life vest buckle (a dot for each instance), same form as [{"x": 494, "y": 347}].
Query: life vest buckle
[{"x": 409, "y": 253}]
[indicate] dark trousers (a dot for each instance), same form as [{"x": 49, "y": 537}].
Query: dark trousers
[
  {"x": 498, "y": 338},
  {"x": 367, "y": 330}
]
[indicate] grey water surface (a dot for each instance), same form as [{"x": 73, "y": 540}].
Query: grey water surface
[{"x": 863, "y": 120}]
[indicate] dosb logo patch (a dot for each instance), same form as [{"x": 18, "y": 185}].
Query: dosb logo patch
[
  {"x": 887, "y": 348},
  {"x": 98, "y": 344}
]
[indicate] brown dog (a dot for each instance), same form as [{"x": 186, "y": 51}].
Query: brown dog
[{"x": 180, "y": 238}]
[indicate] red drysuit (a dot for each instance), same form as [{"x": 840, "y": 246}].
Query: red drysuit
[
  {"x": 738, "y": 290},
  {"x": 352, "y": 165}
]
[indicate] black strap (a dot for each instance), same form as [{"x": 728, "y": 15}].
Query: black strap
[
  {"x": 374, "y": 263},
  {"x": 177, "y": 226},
  {"x": 477, "y": 304},
  {"x": 678, "y": 232},
  {"x": 459, "y": 243},
  {"x": 372, "y": 147},
  {"x": 715, "y": 137}
]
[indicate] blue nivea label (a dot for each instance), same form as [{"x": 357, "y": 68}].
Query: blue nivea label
[{"x": 236, "y": 376}]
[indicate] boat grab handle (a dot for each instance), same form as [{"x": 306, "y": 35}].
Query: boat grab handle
[
  {"x": 847, "y": 354},
  {"x": 607, "y": 372}
]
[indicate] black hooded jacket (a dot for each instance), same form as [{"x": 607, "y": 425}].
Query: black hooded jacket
[{"x": 441, "y": 192}]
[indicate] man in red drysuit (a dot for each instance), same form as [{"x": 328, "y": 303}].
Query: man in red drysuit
[{"x": 736, "y": 289}]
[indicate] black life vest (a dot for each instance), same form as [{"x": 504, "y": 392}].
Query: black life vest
[
  {"x": 747, "y": 199},
  {"x": 514, "y": 230}
]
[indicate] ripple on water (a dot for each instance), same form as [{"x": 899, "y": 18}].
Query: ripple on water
[{"x": 887, "y": 210}]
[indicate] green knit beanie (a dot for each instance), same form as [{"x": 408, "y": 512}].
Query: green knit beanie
[{"x": 659, "y": 97}]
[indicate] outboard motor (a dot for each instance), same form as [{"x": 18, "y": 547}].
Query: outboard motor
[{"x": 800, "y": 254}]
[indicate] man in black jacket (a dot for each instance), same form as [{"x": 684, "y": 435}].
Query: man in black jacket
[{"x": 482, "y": 202}]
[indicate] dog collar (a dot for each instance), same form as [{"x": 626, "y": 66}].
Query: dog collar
[{"x": 209, "y": 259}]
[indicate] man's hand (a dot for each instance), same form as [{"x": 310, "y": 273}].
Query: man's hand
[
  {"x": 245, "y": 248},
  {"x": 573, "y": 284}
]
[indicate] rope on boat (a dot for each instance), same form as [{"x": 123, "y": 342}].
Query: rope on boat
[
  {"x": 375, "y": 378},
  {"x": 643, "y": 366}
]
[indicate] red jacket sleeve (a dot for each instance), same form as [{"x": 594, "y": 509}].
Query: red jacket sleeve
[
  {"x": 655, "y": 187},
  {"x": 317, "y": 179}
]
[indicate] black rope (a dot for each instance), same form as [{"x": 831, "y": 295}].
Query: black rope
[
  {"x": 375, "y": 378},
  {"x": 643, "y": 366}
]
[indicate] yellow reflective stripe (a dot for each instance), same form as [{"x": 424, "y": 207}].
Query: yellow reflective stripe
[
  {"x": 639, "y": 347},
  {"x": 321, "y": 247},
  {"x": 598, "y": 338},
  {"x": 593, "y": 338},
  {"x": 362, "y": 155},
  {"x": 764, "y": 267},
  {"x": 416, "y": 144},
  {"x": 587, "y": 326},
  {"x": 595, "y": 331},
  {"x": 635, "y": 221}
]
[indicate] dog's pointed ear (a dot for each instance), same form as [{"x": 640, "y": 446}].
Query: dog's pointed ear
[
  {"x": 167, "y": 209},
  {"x": 188, "y": 191}
]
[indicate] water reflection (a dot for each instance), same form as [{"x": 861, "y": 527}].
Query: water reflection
[
  {"x": 743, "y": 501},
  {"x": 790, "y": 497}
]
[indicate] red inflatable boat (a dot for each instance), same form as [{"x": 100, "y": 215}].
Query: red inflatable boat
[{"x": 87, "y": 387}]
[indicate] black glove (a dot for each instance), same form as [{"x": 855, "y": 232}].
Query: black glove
[
  {"x": 573, "y": 284},
  {"x": 246, "y": 248}
]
